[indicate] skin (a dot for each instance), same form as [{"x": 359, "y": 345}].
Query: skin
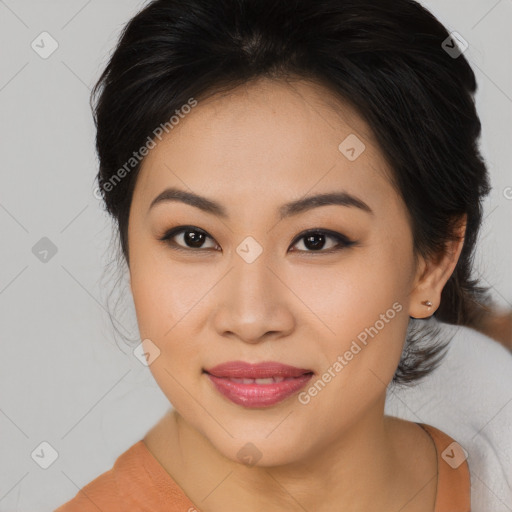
[
  {"x": 497, "y": 324},
  {"x": 252, "y": 150}
]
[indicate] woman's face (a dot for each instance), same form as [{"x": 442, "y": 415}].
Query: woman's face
[{"x": 249, "y": 285}]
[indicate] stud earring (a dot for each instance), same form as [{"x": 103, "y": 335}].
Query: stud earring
[{"x": 427, "y": 303}]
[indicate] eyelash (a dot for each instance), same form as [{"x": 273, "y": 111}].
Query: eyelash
[{"x": 343, "y": 241}]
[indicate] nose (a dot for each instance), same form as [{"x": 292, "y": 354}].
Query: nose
[{"x": 254, "y": 303}]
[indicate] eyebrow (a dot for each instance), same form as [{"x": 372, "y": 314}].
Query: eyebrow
[{"x": 292, "y": 208}]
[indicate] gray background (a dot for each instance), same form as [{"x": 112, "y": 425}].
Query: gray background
[{"x": 64, "y": 376}]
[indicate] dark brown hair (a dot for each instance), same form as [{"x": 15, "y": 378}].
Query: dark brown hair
[{"x": 384, "y": 57}]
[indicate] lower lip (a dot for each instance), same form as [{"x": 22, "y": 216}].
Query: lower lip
[{"x": 258, "y": 395}]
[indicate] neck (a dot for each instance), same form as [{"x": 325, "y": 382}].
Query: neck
[{"x": 357, "y": 470}]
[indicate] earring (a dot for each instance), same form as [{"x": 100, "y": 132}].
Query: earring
[{"x": 427, "y": 303}]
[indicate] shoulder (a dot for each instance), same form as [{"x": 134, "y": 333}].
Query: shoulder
[
  {"x": 105, "y": 491},
  {"x": 469, "y": 397},
  {"x": 453, "y": 478},
  {"x": 108, "y": 491},
  {"x": 436, "y": 465},
  {"x": 136, "y": 482}
]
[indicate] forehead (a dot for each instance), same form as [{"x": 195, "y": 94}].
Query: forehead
[{"x": 267, "y": 139}]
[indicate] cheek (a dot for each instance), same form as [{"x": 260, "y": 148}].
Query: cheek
[
  {"x": 352, "y": 294},
  {"x": 164, "y": 304},
  {"x": 364, "y": 321},
  {"x": 361, "y": 307},
  {"x": 164, "y": 294},
  {"x": 166, "y": 299}
]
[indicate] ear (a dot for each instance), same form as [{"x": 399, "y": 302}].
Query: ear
[{"x": 433, "y": 274}]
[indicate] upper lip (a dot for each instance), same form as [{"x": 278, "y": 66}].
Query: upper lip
[{"x": 266, "y": 369}]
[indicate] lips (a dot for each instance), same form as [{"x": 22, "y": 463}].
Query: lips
[
  {"x": 257, "y": 385},
  {"x": 265, "y": 370}
]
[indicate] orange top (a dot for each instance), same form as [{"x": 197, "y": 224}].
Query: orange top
[{"x": 138, "y": 482}]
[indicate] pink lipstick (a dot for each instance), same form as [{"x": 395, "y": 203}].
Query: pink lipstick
[{"x": 257, "y": 385}]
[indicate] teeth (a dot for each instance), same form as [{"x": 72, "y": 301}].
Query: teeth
[{"x": 268, "y": 380}]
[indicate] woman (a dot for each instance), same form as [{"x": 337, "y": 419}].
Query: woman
[{"x": 297, "y": 190}]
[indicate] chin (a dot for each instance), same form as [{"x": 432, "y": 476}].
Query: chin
[{"x": 260, "y": 450}]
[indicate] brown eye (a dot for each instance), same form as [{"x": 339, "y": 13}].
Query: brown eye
[
  {"x": 187, "y": 237},
  {"x": 316, "y": 241}
]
